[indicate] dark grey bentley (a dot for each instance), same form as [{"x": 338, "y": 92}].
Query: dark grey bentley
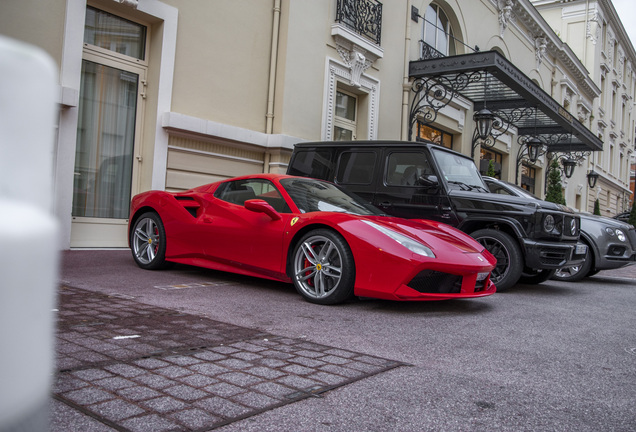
[{"x": 610, "y": 243}]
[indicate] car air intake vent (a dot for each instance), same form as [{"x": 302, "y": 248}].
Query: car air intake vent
[
  {"x": 189, "y": 204},
  {"x": 430, "y": 281}
]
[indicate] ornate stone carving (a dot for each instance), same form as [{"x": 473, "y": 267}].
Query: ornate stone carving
[
  {"x": 505, "y": 14},
  {"x": 356, "y": 60},
  {"x": 131, "y": 3},
  {"x": 540, "y": 48}
]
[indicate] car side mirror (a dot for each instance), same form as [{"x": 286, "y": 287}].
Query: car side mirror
[
  {"x": 261, "y": 206},
  {"x": 428, "y": 181}
]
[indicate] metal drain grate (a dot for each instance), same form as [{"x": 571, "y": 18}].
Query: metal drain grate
[{"x": 184, "y": 372}]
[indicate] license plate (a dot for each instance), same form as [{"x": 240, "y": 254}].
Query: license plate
[{"x": 581, "y": 249}]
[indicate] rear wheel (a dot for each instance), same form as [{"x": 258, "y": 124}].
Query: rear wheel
[
  {"x": 148, "y": 242},
  {"x": 503, "y": 247},
  {"x": 323, "y": 268}
]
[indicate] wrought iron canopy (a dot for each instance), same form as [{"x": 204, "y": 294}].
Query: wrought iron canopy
[{"x": 490, "y": 81}]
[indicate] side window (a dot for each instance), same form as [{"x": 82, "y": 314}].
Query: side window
[
  {"x": 312, "y": 163},
  {"x": 355, "y": 168},
  {"x": 239, "y": 191},
  {"x": 405, "y": 169}
]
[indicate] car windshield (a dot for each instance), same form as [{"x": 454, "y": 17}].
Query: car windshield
[
  {"x": 459, "y": 172},
  {"x": 314, "y": 195}
]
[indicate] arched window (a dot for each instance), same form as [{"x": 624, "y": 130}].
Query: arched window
[{"x": 437, "y": 31}]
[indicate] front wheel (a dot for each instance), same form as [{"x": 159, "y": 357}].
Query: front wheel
[
  {"x": 148, "y": 242},
  {"x": 535, "y": 276},
  {"x": 323, "y": 268},
  {"x": 576, "y": 273},
  {"x": 509, "y": 262}
]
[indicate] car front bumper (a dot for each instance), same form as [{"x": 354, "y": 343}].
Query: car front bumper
[{"x": 551, "y": 255}]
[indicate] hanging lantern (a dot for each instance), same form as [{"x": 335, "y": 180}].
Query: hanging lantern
[
  {"x": 568, "y": 166},
  {"x": 484, "y": 120},
  {"x": 534, "y": 147},
  {"x": 592, "y": 177}
]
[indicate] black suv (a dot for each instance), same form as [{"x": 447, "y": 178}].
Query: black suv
[{"x": 422, "y": 180}]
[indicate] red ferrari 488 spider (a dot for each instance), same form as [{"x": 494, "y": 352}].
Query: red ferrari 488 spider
[{"x": 328, "y": 243}]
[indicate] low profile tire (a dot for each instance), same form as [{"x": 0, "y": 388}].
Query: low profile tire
[
  {"x": 323, "y": 270},
  {"x": 576, "y": 273},
  {"x": 503, "y": 247},
  {"x": 535, "y": 277},
  {"x": 148, "y": 242}
]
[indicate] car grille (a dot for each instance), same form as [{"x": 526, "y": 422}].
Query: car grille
[
  {"x": 550, "y": 256},
  {"x": 431, "y": 281},
  {"x": 631, "y": 234}
]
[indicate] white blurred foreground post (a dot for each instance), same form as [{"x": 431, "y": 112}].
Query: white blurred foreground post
[{"x": 28, "y": 235}]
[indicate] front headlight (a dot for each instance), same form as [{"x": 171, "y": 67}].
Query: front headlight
[
  {"x": 620, "y": 235},
  {"x": 405, "y": 241},
  {"x": 548, "y": 223}
]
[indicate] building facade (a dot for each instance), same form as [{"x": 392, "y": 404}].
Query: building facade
[
  {"x": 172, "y": 94},
  {"x": 596, "y": 35}
]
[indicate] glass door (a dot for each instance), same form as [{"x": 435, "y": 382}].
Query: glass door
[{"x": 105, "y": 163}]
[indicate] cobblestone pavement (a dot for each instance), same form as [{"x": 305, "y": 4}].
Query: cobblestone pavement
[{"x": 136, "y": 367}]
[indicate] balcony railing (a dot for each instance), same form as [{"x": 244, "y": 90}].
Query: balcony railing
[
  {"x": 428, "y": 52},
  {"x": 362, "y": 16}
]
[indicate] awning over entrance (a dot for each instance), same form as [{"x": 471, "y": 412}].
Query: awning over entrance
[{"x": 490, "y": 81}]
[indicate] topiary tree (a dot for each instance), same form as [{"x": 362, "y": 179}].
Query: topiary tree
[
  {"x": 491, "y": 168},
  {"x": 597, "y": 207},
  {"x": 632, "y": 215},
  {"x": 555, "y": 190}
]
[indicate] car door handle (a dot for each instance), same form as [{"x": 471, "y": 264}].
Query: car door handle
[
  {"x": 385, "y": 204},
  {"x": 207, "y": 219}
]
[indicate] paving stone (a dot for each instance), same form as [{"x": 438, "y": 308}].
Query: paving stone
[
  {"x": 297, "y": 382},
  {"x": 125, "y": 370},
  {"x": 310, "y": 354},
  {"x": 138, "y": 393},
  {"x": 152, "y": 422},
  {"x": 209, "y": 369},
  {"x": 185, "y": 392},
  {"x": 305, "y": 361},
  {"x": 224, "y": 350},
  {"x": 164, "y": 404},
  {"x": 182, "y": 360},
  {"x": 247, "y": 356},
  {"x": 335, "y": 360},
  {"x": 173, "y": 371},
  {"x": 196, "y": 418},
  {"x": 339, "y": 370},
  {"x": 155, "y": 381},
  {"x": 270, "y": 362},
  {"x": 151, "y": 363},
  {"x": 240, "y": 378},
  {"x": 326, "y": 378},
  {"x": 66, "y": 382},
  {"x": 297, "y": 369},
  {"x": 114, "y": 383},
  {"x": 274, "y": 390},
  {"x": 234, "y": 364},
  {"x": 116, "y": 409},
  {"x": 210, "y": 356},
  {"x": 88, "y": 396},
  {"x": 248, "y": 346},
  {"x": 265, "y": 372},
  {"x": 92, "y": 374},
  {"x": 255, "y": 400},
  {"x": 340, "y": 353},
  {"x": 222, "y": 407},
  {"x": 198, "y": 380},
  {"x": 224, "y": 389}
]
